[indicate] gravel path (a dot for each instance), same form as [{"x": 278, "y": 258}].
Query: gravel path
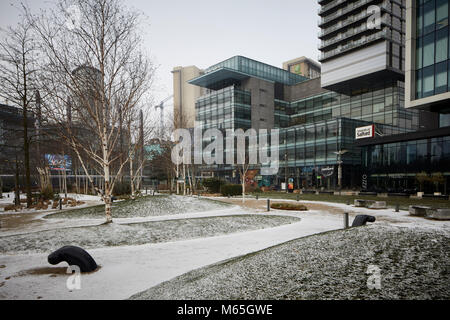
[
  {"x": 138, "y": 233},
  {"x": 145, "y": 207},
  {"x": 414, "y": 264}
]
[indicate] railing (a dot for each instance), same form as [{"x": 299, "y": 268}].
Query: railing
[
  {"x": 353, "y": 44},
  {"x": 350, "y": 7},
  {"x": 349, "y": 33},
  {"x": 331, "y": 5},
  {"x": 350, "y": 20}
]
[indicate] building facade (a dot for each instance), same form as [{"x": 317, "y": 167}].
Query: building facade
[
  {"x": 362, "y": 42},
  {"x": 418, "y": 161},
  {"x": 185, "y": 96},
  {"x": 314, "y": 123},
  {"x": 362, "y": 83},
  {"x": 303, "y": 66}
]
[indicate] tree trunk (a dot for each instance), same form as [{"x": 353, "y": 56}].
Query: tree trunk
[
  {"x": 16, "y": 181},
  {"x": 108, "y": 207},
  {"x": 131, "y": 178},
  {"x": 107, "y": 194},
  {"x": 26, "y": 151},
  {"x": 243, "y": 189}
]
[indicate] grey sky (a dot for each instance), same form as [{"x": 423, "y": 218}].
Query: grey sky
[{"x": 204, "y": 32}]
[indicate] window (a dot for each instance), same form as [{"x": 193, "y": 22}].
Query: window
[
  {"x": 429, "y": 17},
  {"x": 428, "y": 81},
  {"x": 441, "y": 45},
  {"x": 441, "y": 78},
  {"x": 441, "y": 13},
  {"x": 428, "y": 50}
]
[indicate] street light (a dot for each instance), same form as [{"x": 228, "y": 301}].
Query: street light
[{"x": 339, "y": 154}]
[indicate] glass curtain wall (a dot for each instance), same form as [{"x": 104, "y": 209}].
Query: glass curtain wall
[{"x": 432, "y": 48}]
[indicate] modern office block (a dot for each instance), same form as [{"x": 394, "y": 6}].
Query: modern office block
[
  {"x": 362, "y": 43},
  {"x": 314, "y": 122},
  {"x": 428, "y": 56},
  {"x": 303, "y": 66},
  {"x": 185, "y": 96}
]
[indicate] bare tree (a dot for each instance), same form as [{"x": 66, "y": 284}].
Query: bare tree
[
  {"x": 18, "y": 81},
  {"x": 139, "y": 129},
  {"x": 95, "y": 75},
  {"x": 243, "y": 170}
]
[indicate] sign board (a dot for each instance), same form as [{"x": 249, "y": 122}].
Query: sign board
[
  {"x": 58, "y": 162},
  {"x": 365, "y": 132},
  {"x": 327, "y": 171},
  {"x": 283, "y": 186}
]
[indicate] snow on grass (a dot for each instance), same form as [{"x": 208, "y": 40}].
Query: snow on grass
[
  {"x": 127, "y": 270},
  {"x": 145, "y": 207},
  {"x": 414, "y": 264},
  {"x": 137, "y": 233}
]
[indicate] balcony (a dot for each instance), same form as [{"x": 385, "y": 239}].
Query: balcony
[
  {"x": 351, "y": 19},
  {"x": 342, "y": 11},
  {"x": 352, "y": 6},
  {"x": 330, "y": 6},
  {"x": 353, "y": 44},
  {"x": 350, "y": 33}
]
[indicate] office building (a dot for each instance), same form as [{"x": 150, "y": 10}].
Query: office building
[
  {"x": 362, "y": 43},
  {"x": 418, "y": 161},
  {"x": 314, "y": 123},
  {"x": 185, "y": 95},
  {"x": 303, "y": 66}
]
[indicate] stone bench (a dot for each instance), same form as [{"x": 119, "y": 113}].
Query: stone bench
[
  {"x": 418, "y": 211},
  {"x": 361, "y": 203},
  {"x": 438, "y": 214},
  {"x": 378, "y": 205}
]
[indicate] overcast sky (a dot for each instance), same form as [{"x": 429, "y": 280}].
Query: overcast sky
[{"x": 204, "y": 32}]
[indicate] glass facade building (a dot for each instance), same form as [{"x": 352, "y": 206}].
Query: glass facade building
[
  {"x": 228, "y": 108},
  {"x": 432, "y": 48},
  {"x": 312, "y": 129},
  {"x": 414, "y": 165},
  {"x": 258, "y": 69}
]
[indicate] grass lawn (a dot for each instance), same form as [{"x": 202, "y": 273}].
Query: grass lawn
[
  {"x": 144, "y": 207},
  {"x": 390, "y": 201},
  {"x": 412, "y": 264}
]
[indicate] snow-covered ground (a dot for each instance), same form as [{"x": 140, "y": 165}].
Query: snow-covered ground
[
  {"x": 410, "y": 264},
  {"x": 8, "y": 198},
  {"x": 127, "y": 270}
]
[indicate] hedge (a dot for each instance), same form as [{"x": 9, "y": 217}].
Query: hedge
[
  {"x": 231, "y": 190},
  {"x": 213, "y": 184}
]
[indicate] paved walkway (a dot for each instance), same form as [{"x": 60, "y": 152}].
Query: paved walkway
[{"x": 128, "y": 270}]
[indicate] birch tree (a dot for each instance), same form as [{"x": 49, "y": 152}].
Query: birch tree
[
  {"x": 18, "y": 82},
  {"x": 95, "y": 74}
]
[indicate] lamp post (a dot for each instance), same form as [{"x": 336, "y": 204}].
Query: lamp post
[
  {"x": 339, "y": 155},
  {"x": 285, "y": 172}
]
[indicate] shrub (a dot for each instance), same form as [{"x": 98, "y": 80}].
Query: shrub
[
  {"x": 231, "y": 190},
  {"x": 47, "y": 193},
  {"x": 289, "y": 206},
  {"x": 121, "y": 188},
  {"x": 213, "y": 184}
]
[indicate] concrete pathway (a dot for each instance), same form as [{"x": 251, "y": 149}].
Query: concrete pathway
[{"x": 130, "y": 269}]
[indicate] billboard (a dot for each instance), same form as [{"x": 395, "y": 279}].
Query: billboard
[
  {"x": 58, "y": 162},
  {"x": 365, "y": 132}
]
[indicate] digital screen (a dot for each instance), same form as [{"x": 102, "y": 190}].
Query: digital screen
[{"x": 58, "y": 162}]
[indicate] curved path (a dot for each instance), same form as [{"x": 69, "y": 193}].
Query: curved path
[{"x": 128, "y": 270}]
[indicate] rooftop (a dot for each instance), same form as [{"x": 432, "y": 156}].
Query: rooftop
[{"x": 240, "y": 68}]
